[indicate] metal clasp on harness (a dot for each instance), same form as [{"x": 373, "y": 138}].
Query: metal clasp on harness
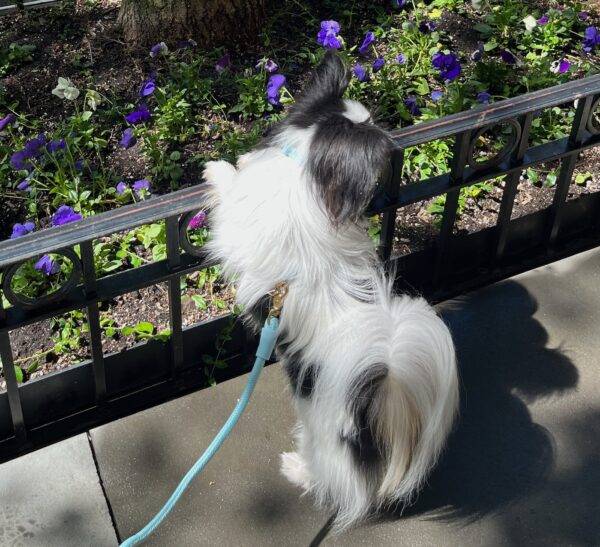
[{"x": 277, "y": 297}]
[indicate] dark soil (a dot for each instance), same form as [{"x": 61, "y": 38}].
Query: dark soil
[
  {"x": 149, "y": 304},
  {"x": 417, "y": 229}
]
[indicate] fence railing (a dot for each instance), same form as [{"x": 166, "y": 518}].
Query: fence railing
[{"x": 106, "y": 387}]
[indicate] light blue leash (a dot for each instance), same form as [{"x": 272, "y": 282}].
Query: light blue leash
[{"x": 268, "y": 338}]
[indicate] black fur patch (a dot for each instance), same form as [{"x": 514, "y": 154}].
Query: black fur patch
[
  {"x": 259, "y": 312},
  {"x": 302, "y": 381},
  {"x": 321, "y": 97},
  {"x": 346, "y": 160},
  {"x": 362, "y": 442}
]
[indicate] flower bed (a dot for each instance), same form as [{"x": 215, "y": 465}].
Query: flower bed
[{"x": 88, "y": 124}]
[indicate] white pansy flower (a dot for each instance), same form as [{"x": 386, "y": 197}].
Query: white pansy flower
[
  {"x": 530, "y": 23},
  {"x": 65, "y": 89}
]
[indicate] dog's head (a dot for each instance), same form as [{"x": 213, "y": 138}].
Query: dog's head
[{"x": 347, "y": 153}]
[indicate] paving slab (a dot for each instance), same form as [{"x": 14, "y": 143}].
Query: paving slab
[
  {"x": 53, "y": 498},
  {"x": 521, "y": 468},
  {"x": 143, "y": 457}
]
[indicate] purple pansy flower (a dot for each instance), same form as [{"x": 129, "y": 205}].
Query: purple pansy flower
[
  {"x": 591, "y": 39},
  {"x": 121, "y": 188},
  {"x": 197, "y": 221},
  {"x": 508, "y": 57},
  {"x": 411, "y": 103},
  {"x": 560, "y": 67},
  {"x": 64, "y": 214},
  {"x": 448, "y": 65},
  {"x": 583, "y": 15},
  {"x": 79, "y": 165},
  {"x": 543, "y": 20},
  {"x": 18, "y": 161},
  {"x": 6, "y": 121},
  {"x": 400, "y": 59},
  {"x": 141, "y": 185},
  {"x": 378, "y": 64},
  {"x": 436, "y": 95},
  {"x": 477, "y": 55},
  {"x": 223, "y": 63},
  {"x": 47, "y": 265},
  {"x": 271, "y": 66},
  {"x": 19, "y": 230},
  {"x": 360, "y": 72},
  {"x": 399, "y": 3},
  {"x": 274, "y": 85},
  {"x": 128, "y": 139},
  {"x": 484, "y": 97},
  {"x": 328, "y": 35},
  {"x": 23, "y": 186},
  {"x": 35, "y": 147},
  {"x": 427, "y": 27},
  {"x": 159, "y": 49},
  {"x": 366, "y": 44},
  {"x": 147, "y": 87},
  {"x": 142, "y": 114},
  {"x": 56, "y": 145}
]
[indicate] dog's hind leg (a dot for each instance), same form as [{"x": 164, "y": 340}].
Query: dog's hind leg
[
  {"x": 293, "y": 465},
  {"x": 294, "y": 469}
]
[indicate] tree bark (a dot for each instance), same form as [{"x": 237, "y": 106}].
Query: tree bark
[{"x": 208, "y": 22}]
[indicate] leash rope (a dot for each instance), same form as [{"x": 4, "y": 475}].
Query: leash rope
[{"x": 268, "y": 338}]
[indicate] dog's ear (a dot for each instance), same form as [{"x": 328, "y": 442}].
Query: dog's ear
[
  {"x": 326, "y": 84},
  {"x": 346, "y": 160}
]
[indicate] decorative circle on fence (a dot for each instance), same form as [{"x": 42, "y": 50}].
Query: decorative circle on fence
[
  {"x": 504, "y": 153},
  {"x": 184, "y": 234},
  {"x": 45, "y": 264},
  {"x": 593, "y": 123}
]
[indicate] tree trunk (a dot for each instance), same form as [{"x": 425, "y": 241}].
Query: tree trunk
[{"x": 208, "y": 22}]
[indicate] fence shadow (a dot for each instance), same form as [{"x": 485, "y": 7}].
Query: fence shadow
[{"x": 497, "y": 454}]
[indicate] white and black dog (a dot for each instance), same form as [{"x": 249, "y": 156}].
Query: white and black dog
[{"x": 374, "y": 375}]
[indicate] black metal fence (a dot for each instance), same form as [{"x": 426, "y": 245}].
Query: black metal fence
[{"x": 64, "y": 403}]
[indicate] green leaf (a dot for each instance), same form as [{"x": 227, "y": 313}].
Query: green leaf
[
  {"x": 159, "y": 252},
  {"x": 582, "y": 178},
  {"x": 220, "y": 364},
  {"x": 483, "y": 28},
  {"x": 19, "y": 373},
  {"x": 550, "y": 179},
  {"x": 199, "y": 301},
  {"x": 153, "y": 231},
  {"x": 163, "y": 335},
  {"x": 533, "y": 176},
  {"x": 490, "y": 45},
  {"x": 422, "y": 87},
  {"x": 144, "y": 327},
  {"x": 86, "y": 115}
]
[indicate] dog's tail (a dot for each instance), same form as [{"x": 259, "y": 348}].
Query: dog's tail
[
  {"x": 403, "y": 406},
  {"x": 418, "y": 399}
]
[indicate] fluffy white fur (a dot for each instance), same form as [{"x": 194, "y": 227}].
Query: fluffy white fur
[{"x": 269, "y": 225}]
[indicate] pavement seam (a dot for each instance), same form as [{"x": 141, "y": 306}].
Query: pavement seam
[{"x": 104, "y": 493}]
